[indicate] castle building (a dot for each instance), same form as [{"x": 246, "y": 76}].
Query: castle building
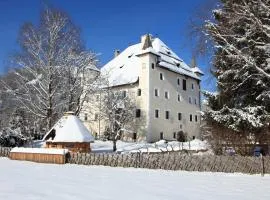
[{"x": 166, "y": 91}]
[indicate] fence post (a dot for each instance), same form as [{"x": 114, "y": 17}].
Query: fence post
[{"x": 262, "y": 165}]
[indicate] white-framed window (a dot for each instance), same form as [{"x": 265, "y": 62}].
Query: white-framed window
[
  {"x": 190, "y": 117},
  {"x": 184, "y": 84},
  {"x": 161, "y": 135},
  {"x": 138, "y": 113},
  {"x": 153, "y": 65},
  {"x": 156, "y": 92},
  {"x": 179, "y": 97},
  {"x": 139, "y": 92},
  {"x": 167, "y": 114},
  {"x": 161, "y": 76},
  {"x": 156, "y": 113},
  {"x": 190, "y": 100},
  {"x": 179, "y": 116},
  {"x": 124, "y": 93},
  {"x": 166, "y": 95},
  {"x": 196, "y": 118}
]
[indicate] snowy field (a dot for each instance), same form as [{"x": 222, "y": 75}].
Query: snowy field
[
  {"x": 160, "y": 146},
  {"x": 99, "y": 146},
  {"x": 31, "y": 181}
]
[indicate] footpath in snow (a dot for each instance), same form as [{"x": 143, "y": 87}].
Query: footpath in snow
[{"x": 32, "y": 181}]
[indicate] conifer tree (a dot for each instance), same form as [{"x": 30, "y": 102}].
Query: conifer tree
[{"x": 241, "y": 35}]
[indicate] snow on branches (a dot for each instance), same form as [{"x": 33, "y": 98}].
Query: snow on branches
[
  {"x": 54, "y": 72},
  {"x": 241, "y": 37}
]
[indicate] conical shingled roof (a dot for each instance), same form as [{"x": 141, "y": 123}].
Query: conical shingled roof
[{"x": 69, "y": 129}]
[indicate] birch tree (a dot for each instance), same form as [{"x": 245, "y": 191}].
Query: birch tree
[{"x": 50, "y": 67}]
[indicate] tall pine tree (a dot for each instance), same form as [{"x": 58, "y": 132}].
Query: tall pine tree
[{"x": 241, "y": 35}]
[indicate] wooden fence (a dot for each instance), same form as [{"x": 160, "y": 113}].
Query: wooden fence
[
  {"x": 177, "y": 161},
  {"x": 4, "y": 151},
  {"x": 171, "y": 161},
  {"x": 39, "y": 157}
]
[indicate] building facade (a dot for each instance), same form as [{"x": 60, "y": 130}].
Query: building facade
[{"x": 164, "y": 88}]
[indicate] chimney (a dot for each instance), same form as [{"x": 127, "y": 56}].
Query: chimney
[
  {"x": 146, "y": 41},
  {"x": 193, "y": 62},
  {"x": 116, "y": 52}
]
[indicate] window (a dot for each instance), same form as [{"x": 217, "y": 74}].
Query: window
[
  {"x": 156, "y": 113},
  {"x": 192, "y": 86},
  {"x": 190, "y": 118},
  {"x": 179, "y": 98},
  {"x": 96, "y": 116},
  {"x": 97, "y": 97},
  {"x": 174, "y": 135},
  {"x": 195, "y": 101},
  {"x": 161, "y": 76},
  {"x": 196, "y": 118},
  {"x": 138, "y": 113},
  {"x": 134, "y": 136},
  {"x": 153, "y": 66},
  {"x": 179, "y": 116},
  {"x": 167, "y": 115},
  {"x": 124, "y": 93},
  {"x": 184, "y": 84},
  {"x": 190, "y": 100},
  {"x": 161, "y": 135},
  {"x": 85, "y": 117},
  {"x": 156, "y": 93},
  {"x": 139, "y": 92},
  {"x": 180, "y": 126},
  {"x": 166, "y": 94},
  {"x": 193, "y": 137},
  {"x": 178, "y": 81}
]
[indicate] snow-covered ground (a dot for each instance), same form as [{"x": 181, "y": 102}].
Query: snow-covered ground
[
  {"x": 99, "y": 146},
  {"x": 31, "y": 181},
  {"x": 160, "y": 146}
]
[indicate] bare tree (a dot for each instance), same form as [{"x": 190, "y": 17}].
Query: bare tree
[
  {"x": 50, "y": 67},
  {"x": 118, "y": 112}
]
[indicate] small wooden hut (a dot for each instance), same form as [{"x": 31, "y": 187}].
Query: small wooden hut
[{"x": 69, "y": 133}]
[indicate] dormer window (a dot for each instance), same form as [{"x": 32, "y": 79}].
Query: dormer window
[
  {"x": 178, "y": 64},
  {"x": 168, "y": 52}
]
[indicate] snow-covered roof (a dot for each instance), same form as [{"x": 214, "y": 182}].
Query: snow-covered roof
[
  {"x": 124, "y": 69},
  {"x": 69, "y": 129},
  {"x": 39, "y": 150}
]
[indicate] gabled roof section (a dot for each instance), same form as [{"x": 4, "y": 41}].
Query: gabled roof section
[
  {"x": 69, "y": 129},
  {"x": 124, "y": 69}
]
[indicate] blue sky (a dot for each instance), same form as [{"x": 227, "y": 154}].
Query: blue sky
[{"x": 108, "y": 25}]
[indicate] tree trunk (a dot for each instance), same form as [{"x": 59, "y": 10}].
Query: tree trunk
[{"x": 114, "y": 145}]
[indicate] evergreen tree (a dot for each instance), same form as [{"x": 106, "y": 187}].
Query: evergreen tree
[{"x": 241, "y": 35}]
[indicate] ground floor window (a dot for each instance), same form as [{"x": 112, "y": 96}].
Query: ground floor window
[{"x": 161, "y": 135}]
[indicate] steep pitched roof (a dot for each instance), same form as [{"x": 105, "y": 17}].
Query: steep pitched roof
[
  {"x": 69, "y": 129},
  {"x": 124, "y": 69}
]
